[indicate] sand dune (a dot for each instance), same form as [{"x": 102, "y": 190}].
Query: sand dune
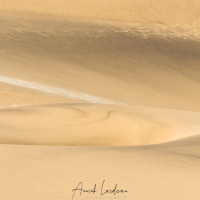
[
  {"x": 114, "y": 62},
  {"x": 99, "y": 90},
  {"x": 86, "y": 124}
]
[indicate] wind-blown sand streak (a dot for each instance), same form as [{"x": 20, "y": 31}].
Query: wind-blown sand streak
[{"x": 57, "y": 91}]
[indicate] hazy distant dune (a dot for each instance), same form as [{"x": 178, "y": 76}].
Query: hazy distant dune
[{"x": 148, "y": 11}]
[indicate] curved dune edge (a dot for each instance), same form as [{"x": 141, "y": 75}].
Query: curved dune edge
[
  {"x": 36, "y": 118},
  {"x": 146, "y": 172},
  {"x": 86, "y": 124},
  {"x": 34, "y": 121}
]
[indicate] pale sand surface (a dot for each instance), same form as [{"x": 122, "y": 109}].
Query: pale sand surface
[
  {"x": 168, "y": 171},
  {"x": 99, "y": 90}
]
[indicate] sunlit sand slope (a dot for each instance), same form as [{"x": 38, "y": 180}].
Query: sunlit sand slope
[
  {"x": 87, "y": 124},
  {"x": 156, "y": 66}
]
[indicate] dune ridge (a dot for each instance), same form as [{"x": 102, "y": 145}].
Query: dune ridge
[
  {"x": 42, "y": 172},
  {"x": 86, "y": 124}
]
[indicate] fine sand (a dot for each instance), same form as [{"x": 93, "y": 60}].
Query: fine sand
[{"x": 99, "y": 90}]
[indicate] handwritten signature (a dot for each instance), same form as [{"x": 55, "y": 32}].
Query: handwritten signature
[{"x": 80, "y": 190}]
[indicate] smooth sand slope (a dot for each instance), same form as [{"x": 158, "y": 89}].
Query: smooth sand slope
[
  {"x": 168, "y": 171},
  {"x": 99, "y": 90}
]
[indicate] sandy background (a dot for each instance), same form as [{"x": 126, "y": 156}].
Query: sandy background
[{"x": 99, "y": 90}]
